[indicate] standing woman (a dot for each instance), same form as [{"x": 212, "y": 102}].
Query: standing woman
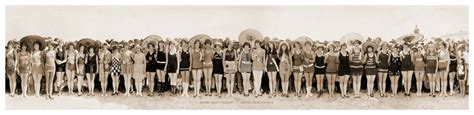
[
  {"x": 245, "y": 67},
  {"x": 218, "y": 67},
  {"x": 343, "y": 69},
  {"x": 60, "y": 67},
  {"x": 356, "y": 68},
  {"x": 151, "y": 66},
  {"x": 139, "y": 69},
  {"x": 12, "y": 62},
  {"x": 443, "y": 66},
  {"x": 71, "y": 55},
  {"x": 331, "y": 68},
  {"x": 394, "y": 67},
  {"x": 258, "y": 66},
  {"x": 407, "y": 68},
  {"x": 91, "y": 69},
  {"x": 419, "y": 64},
  {"x": 285, "y": 67},
  {"x": 230, "y": 67},
  {"x": 161, "y": 66},
  {"x": 272, "y": 67},
  {"x": 297, "y": 58},
  {"x": 50, "y": 69},
  {"x": 431, "y": 68},
  {"x": 370, "y": 69},
  {"x": 462, "y": 76},
  {"x": 383, "y": 64},
  {"x": 320, "y": 70},
  {"x": 115, "y": 69},
  {"x": 308, "y": 67},
  {"x": 184, "y": 64},
  {"x": 127, "y": 69},
  {"x": 104, "y": 68},
  {"x": 196, "y": 64},
  {"x": 37, "y": 68},
  {"x": 173, "y": 66},
  {"x": 207, "y": 66},
  {"x": 24, "y": 66},
  {"x": 80, "y": 60},
  {"x": 452, "y": 66}
]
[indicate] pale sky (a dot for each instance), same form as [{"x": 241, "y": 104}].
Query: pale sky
[{"x": 317, "y": 22}]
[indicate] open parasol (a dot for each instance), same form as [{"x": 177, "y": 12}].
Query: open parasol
[
  {"x": 303, "y": 39},
  {"x": 151, "y": 39},
  {"x": 250, "y": 35},
  {"x": 88, "y": 43},
  {"x": 367, "y": 44},
  {"x": 30, "y": 40},
  {"x": 409, "y": 38},
  {"x": 200, "y": 37},
  {"x": 351, "y": 38}
]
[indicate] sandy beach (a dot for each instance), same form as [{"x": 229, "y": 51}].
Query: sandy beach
[{"x": 167, "y": 102}]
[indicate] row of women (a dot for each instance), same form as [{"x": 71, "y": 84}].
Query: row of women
[{"x": 188, "y": 63}]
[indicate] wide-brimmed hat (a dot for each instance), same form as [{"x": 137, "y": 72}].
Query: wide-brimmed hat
[{"x": 369, "y": 44}]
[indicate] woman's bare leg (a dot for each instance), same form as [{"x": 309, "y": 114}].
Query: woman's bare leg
[
  {"x": 309, "y": 83},
  {"x": 37, "y": 82},
  {"x": 24, "y": 83},
  {"x": 207, "y": 79},
  {"x": 12, "y": 78},
  {"x": 80, "y": 78},
  {"x": 451, "y": 82}
]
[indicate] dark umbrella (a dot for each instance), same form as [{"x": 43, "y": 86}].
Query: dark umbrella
[
  {"x": 88, "y": 43},
  {"x": 151, "y": 39},
  {"x": 30, "y": 40},
  {"x": 409, "y": 38},
  {"x": 200, "y": 37}
]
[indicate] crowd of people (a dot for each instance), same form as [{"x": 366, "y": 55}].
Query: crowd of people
[{"x": 250, "y": 66}]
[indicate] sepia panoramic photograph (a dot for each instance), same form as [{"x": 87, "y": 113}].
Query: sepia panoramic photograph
[{"x": 236, "y": 57}]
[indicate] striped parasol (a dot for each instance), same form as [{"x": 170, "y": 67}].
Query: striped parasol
[{"x": 250, "y": 35}]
